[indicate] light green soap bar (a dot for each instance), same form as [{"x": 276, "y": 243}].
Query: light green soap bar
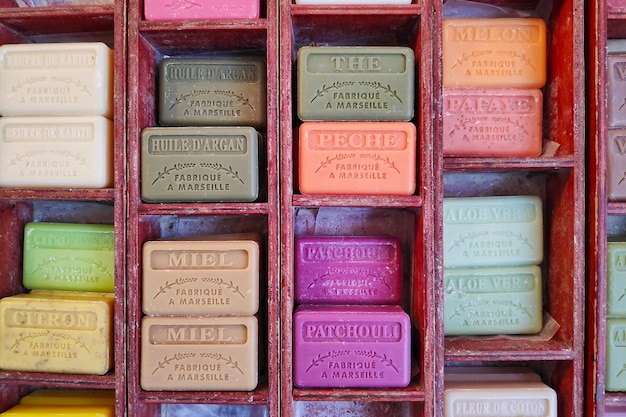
[
  {"x": 69, "y": 257},
  {"x": 492, "y": 231},
  {"x": 615, "y": 376},
  {"x": 616, "y": 279}
]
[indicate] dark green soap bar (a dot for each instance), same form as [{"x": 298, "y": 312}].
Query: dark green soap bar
[
  {"x": 215, "y": 91},
  {"x": 69, "y": 257},
  {"x": 356, "y": 83},
  {"x": 199, "y": 164}
]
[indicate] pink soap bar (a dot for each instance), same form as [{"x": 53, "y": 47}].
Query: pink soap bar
[
  {"x": 200, "y": 10},
  {"x": 348, "y": 270},
  {"x": 496, "y": 122},
  {"x": 351, "y": 346},
  {"x": 617, "y": 4},
  {"x": 616, "y": 89}
]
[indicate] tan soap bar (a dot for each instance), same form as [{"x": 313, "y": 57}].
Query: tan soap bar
[
  {"x": 56, "y": 79},
  {"x": 201, "y": 277},
  {"x": 83, "y": 397},
  {"x": 488, "y": 52},
  {"x": 199, "y": 353},
  {"x": 57, "y": 331}
]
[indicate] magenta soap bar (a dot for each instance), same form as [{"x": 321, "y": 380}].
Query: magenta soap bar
[
  {"x": 351, "y": 346},
  {"x": 348, "y": 270},
  {"x": 496, "y": 122},
  {"x": 616, "y": 88},
  {"x": 201, "y": 10}
]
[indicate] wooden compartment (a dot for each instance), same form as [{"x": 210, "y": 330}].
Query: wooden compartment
[
  {"x": 80, "y": 23},
  {"x": 148, "y": 43}
]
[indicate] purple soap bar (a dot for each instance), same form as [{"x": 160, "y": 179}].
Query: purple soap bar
[
  {"x": 348, "y": 270},
  {"x": 351, "y": 346}
]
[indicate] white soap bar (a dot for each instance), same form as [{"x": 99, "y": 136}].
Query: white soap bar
[
  {"x": 56, "y": 79},
  {"x": 56, "y": 152},
  {"x": 353, "y": 1}
]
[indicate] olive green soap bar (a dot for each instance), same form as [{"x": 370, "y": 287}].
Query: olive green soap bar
[
  {"x": 488, "y": 301},
  {"x": 615, "y": 376},
  {"x": 199, "y": 164},
  {"x": 356, "y": 83},
  {"x": 69, "y": 256},
  {"x": 212, "y": 91}
]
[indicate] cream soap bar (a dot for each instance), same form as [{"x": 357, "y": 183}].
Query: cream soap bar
[
  {"x": 492, "y": 231},
  {"x": 21, "y": 410},
  {"x": 56, "y": 152},
  {"x": 56, "y": 79},
  {"x": 502, "y": 399},
  {"x": 214, "y": 91},
  {"x": 487, "y": 301},
  {"x": 69, "y": 256},
  {"x": 210, "y": 277},
  {"x": 355, "y": 83},
  {"x": 616, "y": 90},
  {"x": 615, "y": 376},
  {"x": 199, "y": 164},
  {"x": 487, "y": 52},
  {"x": 199, "y": 353},
  {"x": 616, "y": 279},
  {"x": 57, "y": 331}
]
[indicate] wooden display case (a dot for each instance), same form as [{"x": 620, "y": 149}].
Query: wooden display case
[{"x": 80, "y": 23}]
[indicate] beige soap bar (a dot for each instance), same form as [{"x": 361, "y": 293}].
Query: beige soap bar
[
  {"x": 56, "y": 79},
  {"x": 201, "y": 277},
  {"x": 57, "y": 331},
  {"x": 199, "y": 353}
]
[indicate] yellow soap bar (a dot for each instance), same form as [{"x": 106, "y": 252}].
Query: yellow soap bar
[
  {"x": 57, "y": 331},
  {"x": 46, "y": 396},
  {"x": 59, "y": 411},
  {"x": 487, "y": 52}
]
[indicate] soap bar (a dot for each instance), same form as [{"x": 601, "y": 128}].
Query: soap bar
[
  {"x": 199, "y": 164},
  {"x": 219, "y": 277},
  {"x": 616, "y": 163},
  {"x": 202, "y": 10},
  {"x": 351, "y": 346},
  {"x": 489, "y": 373},
  {"x": 199, "y": 353},
  {"x": 616, "y": 279},
  {"x": 83, "y": 397},
  {"x": 69, "y": 256},
  {"x": 616, "y": 90},
  {"x": 56, "y": 79},
  {"x": 216, "y": 91},
  {"x": 616, "y": 46},
  {"x": 21, "y": 410},
  {"x": 615, "y": 376},
  {"x": 617, "y": 4},
  {"x": 355, "y": 83},
  {"x": 348, "y": 270},
  {"x": 57, "y": 331},
  {"x": 488, "y": 301},
  {"x": 56, "y": 152},
  {"x": 488, "y": 52},
  {"x": 357, "y": 158},
  {"x": 492, "y": 231},
  {"x": 492, "y": 122},
  {"x": 502, "y": 399}
]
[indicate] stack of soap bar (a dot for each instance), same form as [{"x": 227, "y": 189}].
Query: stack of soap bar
[
  {"x": 68, "y": 256},
  {"x": 70, "y": 151},
  {"x": 351, "y": 346},
  {"x": 83, "y": 397},
  {"x": 199, "y": 164},
  {"x": 204, "y": 10},
  {"x": 215, "y": 91},
  {"x": 59, "y": 411},
  {"x": 57, "y": 331},
  {"x": 201, "y": 277},
  {"x": 357, "y": 158},
  {"x": 348, "y": 270},
  {"x": 199, "y": 353},
  {"x": 616, "y": 89},
  {"x": 616, "y": 163},
  {"x": 355, "y": 83}
]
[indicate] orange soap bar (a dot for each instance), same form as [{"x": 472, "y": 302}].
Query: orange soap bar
[
  {"x": 488, "y": 52},
  {"x": 357, "y": 158}
]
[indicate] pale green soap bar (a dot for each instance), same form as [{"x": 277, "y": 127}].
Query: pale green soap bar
[
  {"x": 492, "y": 231},
  {"x": 487, "y": 301},
  {"x": 69, "y": 257},
  {"x": 615, "y": 375},
  {"x": 616, "y": 279}
]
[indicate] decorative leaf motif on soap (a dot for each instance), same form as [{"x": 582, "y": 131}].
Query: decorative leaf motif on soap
[
  {"x": 227, "y": 360},
  {"x": 47, "y": 333},
  {"x": 167, "y": 171},
  {"x": 240, "y": 98},
  {"x": 229, "y": 285},
  {"x": 169, "y": 285},
  {"x": 177, "y": 357},
  {"x": 622, "y": 295},
  {"x": 67, "y": 154},
  {"x": 461, "y": 125},
  {"x": 98, "y": 264},
  {"x": 338, "y": 157},
  {"x": 517, "y": 124},
  {"x": 182, "y": 4},
  {"x": 387, "y": 160},
  {"x": 184, "y": 97},
  {"x": 25, "y": 155},
  {"x": 472, "y": 305},
  {"x": 519, "y": 236},
  {"x": 318, "y": 360},
  {"x": 51, "y": 260},
  {"x": 517, "y": 306},
  {"x": 336, "y": 85},
  {"x": 374, "y": 278},
  {"x": 622, "y": 105},
  {"x": 77, "y": 340},
  {"x": 378, "y": 86},
  {"x": 470, "y": 236},
  {"x": 234, "y": 174},
  {"x": 622, "y": 179},
  {"x": 621, "y": 371}
]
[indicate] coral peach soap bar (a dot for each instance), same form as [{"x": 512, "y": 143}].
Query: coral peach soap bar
[
  {"x": 488, "y": 52},
  {"x": 201, "y": 10},
  {"x": 357, "y": 158},
  {"x": 56, "y": 79},
  {"x": 492, "y": 231},
  {"x": 355, "y": 83}
]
